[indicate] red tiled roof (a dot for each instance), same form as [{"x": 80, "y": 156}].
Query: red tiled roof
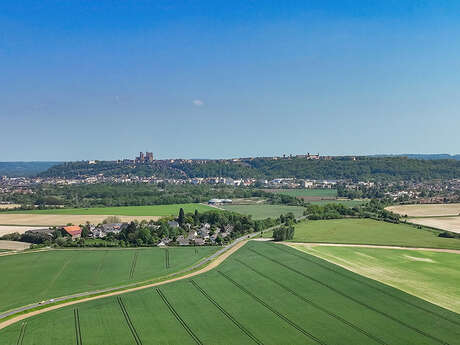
[{"x": 72, "y": 230}]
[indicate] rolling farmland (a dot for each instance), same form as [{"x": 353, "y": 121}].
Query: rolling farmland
[
  {"x": 153, "y": 210},
  {"x": 368, "y": 231},
  {"x": 324, "y": 193},
  {"x": 439, "y": 216},
  {"x": 95, "y": 215},
  {"x": 32, "y": 277},
  {"x": 451, "y": 224},
  {"x": 426, "y": 210},
  {"x": 432, "y": 276},
  {"x": 263, "y": 294},
  {"x": 261, "y": 211},
  {"x": 344, "y": 202}
]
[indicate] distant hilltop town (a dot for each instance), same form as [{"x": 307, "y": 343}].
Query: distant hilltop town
[{"x": 147, "y": 157}]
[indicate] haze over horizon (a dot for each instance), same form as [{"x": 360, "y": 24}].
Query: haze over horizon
[{"x": 209, "y": 79}]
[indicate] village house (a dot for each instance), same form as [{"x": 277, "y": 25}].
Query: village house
[
  {"x": 45, "y": 231},
  {"x": 182, "y": 241},
  {"x": 73, "y": 230},
  {"x": 199, "y": 241},
  {"x": 164, "y": 242},
  {"x": 104, "y": 229}
]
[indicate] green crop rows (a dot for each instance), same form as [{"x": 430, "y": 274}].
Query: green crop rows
[
  {"x": 264, "y": 293},
  {"x": 368, "y": 231},
  {"x": 32, "y": 277}
]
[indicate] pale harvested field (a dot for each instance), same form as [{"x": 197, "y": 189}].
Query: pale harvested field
[
  {"x": 9, "y": 206},
  {"x": 426, "y": 210},
  {"x": 445, "y": 223},
  {"x": 57, "y": 220},
  {"x": 7, "y": 229},
  {"x": 13, "y": 245}
]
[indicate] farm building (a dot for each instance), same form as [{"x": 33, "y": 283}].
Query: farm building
[
  {"x": 219, "y": 201},
  {"x": 104, "y": 229},
  {"x": 74, "y": 231},
  {"x": 44, "y": 231}
]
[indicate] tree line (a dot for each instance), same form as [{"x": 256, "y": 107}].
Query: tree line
[{"x": 137, "y": 194}]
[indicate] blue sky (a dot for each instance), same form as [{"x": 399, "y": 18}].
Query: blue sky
[{"x": 207, "y": 79}]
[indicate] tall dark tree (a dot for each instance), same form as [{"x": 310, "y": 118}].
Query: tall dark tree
[
  {"x": 181, "y": 217},
  {"x": 196, "y": 218}
]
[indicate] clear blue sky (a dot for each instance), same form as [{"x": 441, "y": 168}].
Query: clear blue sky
[{"x": 102, "y": 79}]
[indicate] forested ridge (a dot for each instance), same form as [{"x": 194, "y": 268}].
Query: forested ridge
[{"x": 363, "y": 168}]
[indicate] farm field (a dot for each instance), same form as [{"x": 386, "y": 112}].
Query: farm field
[
  {"x": 62, "y": 216},
  {"x": 368, "y": 231},
  {"x": 13, "y": 245},
  {"x": 445, "y": 223},
  {"x": 153, "y": 210},
  {"x": 263, "y": 294},
  {"x": 32, "y": 277},
  {"x": 348, "y": 203},
  {"x": 44, "y": 220},
  {"x": 10, "y": 229},
  {"x": 432, "y": 276},
  {"x": 324, "y": 193},
  {"x": 426, "y": 210},
  {"x": 262, "y": 211}
]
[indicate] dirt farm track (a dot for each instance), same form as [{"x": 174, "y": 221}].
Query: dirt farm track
[{"x": 57, "y": 220}]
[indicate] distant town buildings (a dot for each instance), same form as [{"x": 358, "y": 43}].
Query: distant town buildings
[{"x": 145, "y": 158}]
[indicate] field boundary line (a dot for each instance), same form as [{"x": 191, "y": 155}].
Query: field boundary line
[
  {"x": 76, "y": 316},
  {"x": 369, "y": 285},
  {"x": 355, "y": 300},
  {"x": 178, "y": 317},
  {"x": 205, "y": 265},
  {"x": 274, "y": 311},
  {"x": 315, "y": 305},
  {"x": 227, "y": 314},
  {"x": 130, "y": 324}
]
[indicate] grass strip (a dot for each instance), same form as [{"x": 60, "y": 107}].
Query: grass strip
[
  {"x": 366, "y": 284},
  {"x": 230, "y": 317},
  {"x": 274, "y": 311},
  {"x": 365, "y": 305},
  {"x": 178, "y": 317}
]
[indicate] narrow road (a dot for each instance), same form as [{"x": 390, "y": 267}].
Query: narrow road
[{"x": 316, "y": 244}]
